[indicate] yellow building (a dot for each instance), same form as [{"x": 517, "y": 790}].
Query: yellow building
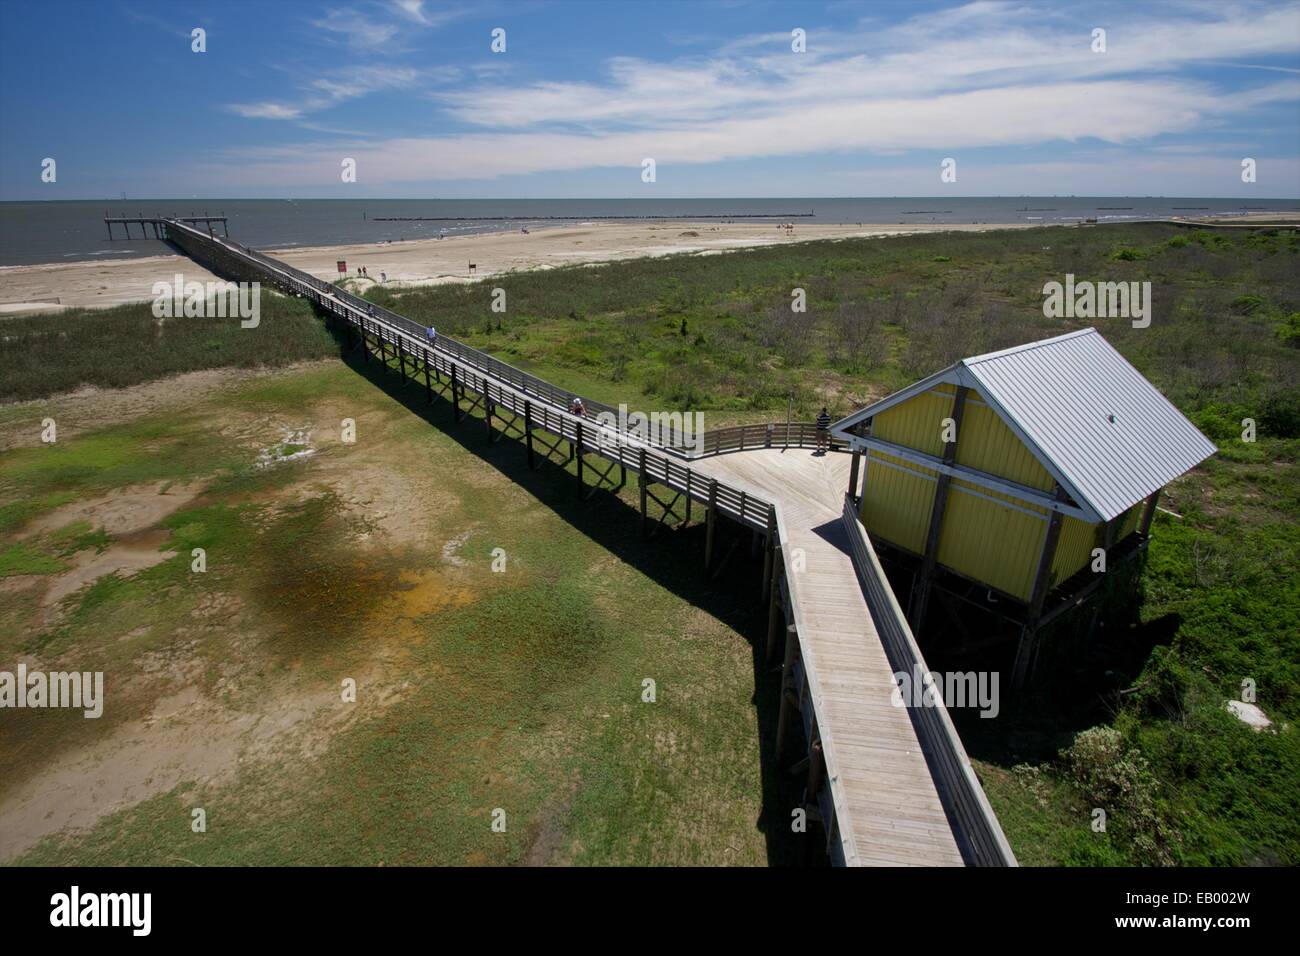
[{"x": 1021, "y": 471}]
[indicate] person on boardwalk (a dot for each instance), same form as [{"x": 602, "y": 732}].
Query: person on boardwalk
[
  {"x": 432, "y": 333},
  {"x": 823, "y": 431},
  {"x": 576, "y": 407}
]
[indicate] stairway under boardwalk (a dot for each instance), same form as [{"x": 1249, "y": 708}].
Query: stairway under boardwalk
[{"x": 887, "y": 800}]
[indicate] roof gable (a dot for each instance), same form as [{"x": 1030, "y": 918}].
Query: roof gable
[{"x": 1097, "y": 425}]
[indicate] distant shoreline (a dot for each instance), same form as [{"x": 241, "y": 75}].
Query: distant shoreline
[
  {"x": 36, "y": 233},
  {"x": 105, "y": 283},
  {"x": 410, "y": 263}
]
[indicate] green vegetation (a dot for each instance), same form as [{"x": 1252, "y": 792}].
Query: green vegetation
[
  {"x": 476, "y": 690},
  {"x": 1184, "y": 781},
  {"x": 530, "y": 690},
  {"x": 46, "y": 354}
]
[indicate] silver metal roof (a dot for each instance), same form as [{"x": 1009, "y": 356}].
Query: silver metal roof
[{"x": 1099, "y": 428}]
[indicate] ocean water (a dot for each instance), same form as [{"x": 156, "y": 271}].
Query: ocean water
[{"x": 37, "y": 232}]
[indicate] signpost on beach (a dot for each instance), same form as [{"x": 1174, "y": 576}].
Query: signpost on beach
[{"x": 343, "y": 266}]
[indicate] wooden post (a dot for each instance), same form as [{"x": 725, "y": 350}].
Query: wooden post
[
  {"x": 528, "y": 434},
  {"x": 1027, "y": 648},
  {"x": 709, "y": 523},
  {"x": 488, "y": 409},
  {"x": 455, "y": 393},
  {"x": 816, "y": 765},
  {"x": 921, "y": 594},
  {"x": 770, "y": 550},
  {"x": 401, "y": 360},
  {"x": 853, "y": 474},
  {"x": 428, "y": 386},
  {"x": 578, "y": 452},
  {"x": 641, "y": 480},
  {"x": 775, "y": 613},
  {"x": 688, "y": 497},
  {"x": 789, "y": 697}
]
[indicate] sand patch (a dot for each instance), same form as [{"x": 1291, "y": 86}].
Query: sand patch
[
  {"x": 125, "y": 557},
  {"x": 89, "y": 408},
  {"x": 125, "y": 511},
  {"x": 187, "y": 737}
]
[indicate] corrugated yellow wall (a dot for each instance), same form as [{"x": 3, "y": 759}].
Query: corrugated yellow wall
[
  {"x": 986, "y": 540},
  {"x": 1074, "y": 548},
  {"x": 988, "y": 445},
  {"x": 916, "y": 423},
  {"x": 896, "y": 503},
  {"x": 991, "y": 541},
  {"x": 1131, "y": 521}
]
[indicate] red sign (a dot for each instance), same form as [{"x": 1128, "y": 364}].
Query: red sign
[{"x": 343, "y": 265}]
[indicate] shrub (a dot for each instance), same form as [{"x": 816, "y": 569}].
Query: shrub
[{"x": 1117, "y": 778}]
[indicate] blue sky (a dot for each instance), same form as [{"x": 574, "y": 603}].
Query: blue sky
[{"x": 585, "y": 91}]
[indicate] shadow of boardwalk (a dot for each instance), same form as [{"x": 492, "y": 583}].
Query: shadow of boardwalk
[{"x": 673, "y": 558}]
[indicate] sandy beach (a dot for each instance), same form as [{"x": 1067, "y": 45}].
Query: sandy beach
[{"x": 104, "y": 283}]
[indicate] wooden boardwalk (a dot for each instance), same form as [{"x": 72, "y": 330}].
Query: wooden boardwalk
[
  {"x": 892, "y": 784},
  {"x": 887, "y": 805}
]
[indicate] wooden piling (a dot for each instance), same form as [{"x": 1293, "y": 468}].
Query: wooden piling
[
  {"x": 577, "y": 447},
  {"x": 710, "y": 522},
  {"x": 528, "y": 434},
  {"x": 769, "y": 551},
  {"x": 641, "y": 480},
  {"x": 775, "y": 615}
]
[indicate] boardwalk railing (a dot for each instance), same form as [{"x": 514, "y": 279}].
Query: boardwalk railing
[
  {"x": 976, "y": 827},
  {"x": 714, "y": 442},
  {"x": 545, "y": 406},
  {"x": 502, "y": 385}
]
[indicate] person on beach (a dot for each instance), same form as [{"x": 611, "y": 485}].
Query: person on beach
[
  {"x": 383, "y": 276},
  {"x": 823, "y": 431}
]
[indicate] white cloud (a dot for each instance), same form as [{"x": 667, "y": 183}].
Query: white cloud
[
  {"x": 944, "y": 81},
  {"x": 265, "y": 110}
]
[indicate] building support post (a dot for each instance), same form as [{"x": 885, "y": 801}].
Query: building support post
[
  {"x": 1028, "y": 648},
  {"x": 853, "y": 474},
  {"x": 921, "y": 592}
]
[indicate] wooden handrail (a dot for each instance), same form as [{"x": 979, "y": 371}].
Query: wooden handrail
[{"x": 978, "y": 829}]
